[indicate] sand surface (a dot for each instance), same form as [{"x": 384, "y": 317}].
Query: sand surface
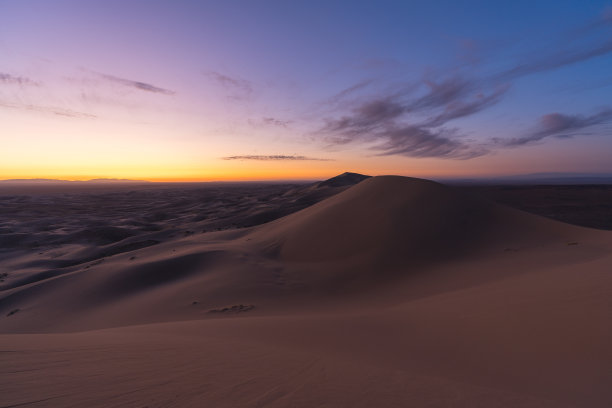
[
  {"x": 393, "y": 292},
  {"x": 587, "y": 205}
]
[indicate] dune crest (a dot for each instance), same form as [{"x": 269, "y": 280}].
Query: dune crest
[{"x": 403, "y": 218}]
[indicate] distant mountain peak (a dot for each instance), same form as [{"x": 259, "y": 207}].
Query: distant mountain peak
[{"x": 343, "y": 180}]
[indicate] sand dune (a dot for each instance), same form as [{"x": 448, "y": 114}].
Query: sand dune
[{"x": 394, "y": 292}]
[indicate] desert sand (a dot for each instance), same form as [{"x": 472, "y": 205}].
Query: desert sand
[{"x": 393, "y": 292}]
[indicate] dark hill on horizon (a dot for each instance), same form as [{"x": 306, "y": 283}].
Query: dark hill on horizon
[{"x": 343, "y": 180}]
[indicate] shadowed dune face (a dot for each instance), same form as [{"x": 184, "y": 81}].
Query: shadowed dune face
[{"x": 403, "y": 220}]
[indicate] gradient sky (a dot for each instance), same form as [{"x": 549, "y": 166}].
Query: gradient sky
[{"x": 197, "y": 90}]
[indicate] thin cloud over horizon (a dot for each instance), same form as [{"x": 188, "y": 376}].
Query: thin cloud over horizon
[{"x": 273, "y": 157}]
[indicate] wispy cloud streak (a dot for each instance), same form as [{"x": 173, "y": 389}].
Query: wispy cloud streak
[
  {"x": 413, "y": 125},
  {"x": 143, "y": 86},
  {"x": 469, "y": 106},
  {"x": 274, "y": 158},
  {"x": 16, "y": 80},
  {"x": 238, "y": 88},
  {"x": 561, "y": 126},
  {"x": 559, "y": 59},
  {"x": 342, "y": 95},
  {"x": 276, "y": 122},
  {"x": 417, "y": 141},
  {"x": 48, "y": 109}
]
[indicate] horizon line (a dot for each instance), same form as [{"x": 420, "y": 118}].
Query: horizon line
[{"x": 300, "y": 179}]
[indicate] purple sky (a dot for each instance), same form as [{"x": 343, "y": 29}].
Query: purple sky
[{"x": 187, "y": 90}]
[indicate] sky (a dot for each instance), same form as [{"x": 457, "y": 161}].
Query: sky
[{"x": 249, "y": 90}]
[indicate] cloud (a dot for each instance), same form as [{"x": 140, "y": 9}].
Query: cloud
[
  {"x": 143, "y": 86},
  {"x": 273, "y": 158},
  {"x": 81, "y": 93},
  {"x": 443, "y": 101},
  {"x": 443, "y": 92},
  {"x": 366, "y": 118},
  {"x": 559, "y": 59},
  {"x": 411, "y": 124},
  {"x": 239, "y": 88},
  {"x": 604, "y": 19},
  {"x": 48, "y": 109},
  {"x": 351, "y": 90},
  {"x": 587, "y": 47},
  {"x": 276, "y": 122},
  {"x": 417, "y": 141},
  {"x": 16, "y": 80},
  {"x": 461, "y": 108},
  {"x": 268, "y": 121},
  {"x": 559, "y": 125}
]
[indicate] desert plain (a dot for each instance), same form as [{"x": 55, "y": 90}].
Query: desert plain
[{"x": 357, "y": 291}]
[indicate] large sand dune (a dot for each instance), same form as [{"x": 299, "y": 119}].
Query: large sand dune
[{"x": 394, "y": 292}]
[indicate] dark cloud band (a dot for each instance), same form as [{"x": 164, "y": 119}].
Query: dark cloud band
[
  {"x": 143, "y": 86},
  {"x": 560, "y": 125},
  {"x": 16, "y": 80}
]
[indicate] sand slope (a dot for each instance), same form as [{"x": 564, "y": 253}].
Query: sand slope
[{"x": 395, "y": 292}]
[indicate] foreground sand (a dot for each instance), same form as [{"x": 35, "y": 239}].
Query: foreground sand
[{"x": 395, "y": 292}]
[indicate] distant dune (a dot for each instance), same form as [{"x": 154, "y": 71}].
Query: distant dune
[
  {"x": 49, "y": 186},
  {"x": 537, "y": 179},
  {"x": 98, "y": 180},
  {"x": 389, "y": 291}
]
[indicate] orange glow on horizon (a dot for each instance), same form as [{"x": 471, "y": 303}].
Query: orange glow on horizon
[
  {"x": 133, "y": 165},
  {"x": 228, "y": 172}
]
